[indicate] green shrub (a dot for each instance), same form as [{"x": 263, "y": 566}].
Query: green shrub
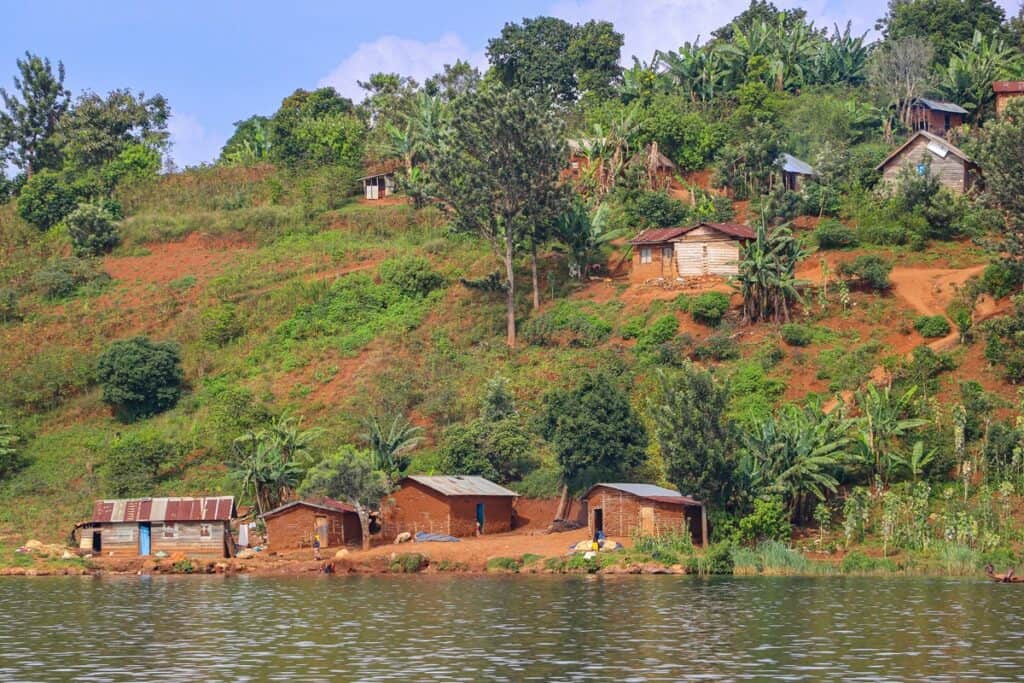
[
  {"x": 719, "y": 346},
  {"x": 709, "y": 307},
  {"x": 52, "y": 375},
  {"x": 856, "y": 562},
  {"x": 796, "y": 334},
  {"x": 509, "y": 565},
  {"x": 92, "y": 230},
  {"x": 660, "y": 331},
  {"x": 134, "y": 462},
  {"x": 64, "y": 277},
  {"x": 768, "y": 522},
  {"x": 46, "y": 199},
  {"x": 884, "y": 234},
  {"x": 1000, "y": 279},
  {"x": 831, "y": 234},
  {"x": 8, "y": 306},
  {"x": 654, "y": 210},
  {"x": 543, "y": 482},
  {"x": 931, "y": 326},
  {"x": 668, "y": 548},
  {"x": 633, "y": 327},
  {"x": 408, "y": 563},
  {"x": 221, "y": 325},
  {"x": 413, "y": 276},
  {"x": 140, "y": 377},
  {"x": 872, "y": 271},
  {"x": 183, "y": 566},
  {"x": 579, "y": 324},
  {"x": 717, "y": 559}
]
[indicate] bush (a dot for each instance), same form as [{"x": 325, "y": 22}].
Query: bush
[
  {"x": 768, "y": 522},
  {"x": 831, "y": 234},
  {"x": 63, "y": 277},
  {"x": 655, "y": 210},
  {"x": 408, "y": 563},
  {"x": 46, "y": 199},
  {"x": 872, "y": 271},
  {"x": 660, "y": 331},
  {"x": 8, "y": 306},
  {"x": 709, "y": 307},
  {"x": 857, "y": 562},
  {"x": 932, "y": 326},
  {"x": 883, "y": 234},
  {"x": 140, "y": 377},
  {"x": 717, "y": 559},
  {"x": 509, "y": 565},
  {"x": 581, "y": 325},
  {"x": 92, "y": 230},
  {"x": 796, "y": 334},
  {"x": 719, "y": 346},
  {"x": 413, "y": 276},
  {"x": 543, "y": 482},
  {"x": 132, "y": 467},
  {"x": 1000, "y": 279},
  {"x": 221, "y": 325}
]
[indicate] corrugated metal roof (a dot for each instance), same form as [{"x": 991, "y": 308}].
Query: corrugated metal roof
[
  {"x": 462, "y": 485},
  {"x": 213, "y": 509},
  {"x": 1008, "y": 86},
  {"x": 734, "y": 229},
  {"x": 657, "y": 235},
  {"x": 327, "y": 504},
  {"x": 931, "y": 137},
  {"x": 790, "y": 164},
  {"x": 650, "y": 491},
  {"x": 939, "y": 105}
]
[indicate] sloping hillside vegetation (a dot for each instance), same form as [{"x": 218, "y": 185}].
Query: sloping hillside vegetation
[{"x": 224, "y": 329}]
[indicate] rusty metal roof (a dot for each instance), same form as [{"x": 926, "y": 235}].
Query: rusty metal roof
[
  {"x": 648, "y": 491},
  {"x": 214, "y": 509},
  {"x": 327, "y": 504},
  {"x": 1008, "y": 86},
  {"x": 744, "y": 232},
  {"x": 658, "y": 235},
  {"x": 462, "y": 485}
]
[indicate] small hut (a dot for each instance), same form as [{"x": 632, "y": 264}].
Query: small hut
[
  {"x": 701, "y": 250},
  {"x": 794, "y": 171},
  {"x": 644, "y": 509},
  {"x": 295, "y": 524},
  {"x": 935, "y": 116},
  {"x": 1006, "y": 91},
  {"x": 654, "y": 255},
  {"x": 923, "y": 151},
  {"x": 451, "y": 505},
  {"x": 195, "y": 527}
]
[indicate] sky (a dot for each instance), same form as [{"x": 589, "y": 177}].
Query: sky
[{"x": 218, "y": 62}]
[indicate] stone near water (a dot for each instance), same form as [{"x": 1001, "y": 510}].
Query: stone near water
[
  {"x": 403, "y": 537},
  {"x": 341, "y": 554},
  {"x": 246, "y": 554}
]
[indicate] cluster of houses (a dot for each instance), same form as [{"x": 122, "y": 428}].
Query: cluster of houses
[{"x": 457, "y": 506}]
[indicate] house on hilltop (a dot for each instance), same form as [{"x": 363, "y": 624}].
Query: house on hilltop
[
  {"x": 644, "y": 509},
  {"x": 935, "y": 116},
  {"x": 704, "y": 249},
  {"x": 450, "y": 505},
  {"x": 926, "y": 152},
  {"x": 195, "y": 527},
  {"x": 1006, "y": 91},
  {"x": 379, "y": 181},
  {"x": 294, "y": 525}
]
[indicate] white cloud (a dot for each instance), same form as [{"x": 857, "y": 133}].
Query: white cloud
[
  {"x": 391, "y": 54},
  {"x": 191, "y": 142}
]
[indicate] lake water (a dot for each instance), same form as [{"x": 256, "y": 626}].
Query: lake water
[{"x": 443, "y": 628}]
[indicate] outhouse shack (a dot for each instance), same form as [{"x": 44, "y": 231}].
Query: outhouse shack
[
  {"x": 926, "y": 152},
  {"x": 1006, "y": 91},
  {"x": 644, "y": 509},
  {"x": 935, "y": 116},
  {"x": 701, "y": 250},
  {"x": 294, "y": 525},
  {"x": 194, "y": 527},
  {"x": 794, "y": 172},
  {"x": 450, "y": 505}
]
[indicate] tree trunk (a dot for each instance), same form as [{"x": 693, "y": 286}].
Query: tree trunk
[
  {"x": 510, "y": 294},
  {"x": 536, "y": 280},
  {"x": 364, "y": 523},
  {"x": 563, "y": 504}
]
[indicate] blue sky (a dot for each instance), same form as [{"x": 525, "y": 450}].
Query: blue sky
[{"x": 218, "y": 62}]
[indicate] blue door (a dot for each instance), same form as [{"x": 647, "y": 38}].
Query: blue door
[
  {"x": 480, "y": 517},
  {"x": 145, "y": 544}
]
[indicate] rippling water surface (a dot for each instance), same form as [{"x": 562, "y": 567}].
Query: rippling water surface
[{"x": 657, "y": 628}]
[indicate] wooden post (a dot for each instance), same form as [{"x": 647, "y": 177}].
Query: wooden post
[{"x": 703, "y": 526}]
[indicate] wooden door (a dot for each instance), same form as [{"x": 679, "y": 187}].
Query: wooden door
[
  {"x": 647, "y": 521},
  {"x": 322, "y": 527}
]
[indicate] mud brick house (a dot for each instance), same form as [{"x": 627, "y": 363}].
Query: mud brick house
[
  {"x": 293, "y": 525},
  {"x": 644, "y": 509},
  {"x": 794, "y": 172},
  {"x": 935, "y": 116},
  {"x": 452, "y": 505},
  {"x": 1006, "y": 91},
  {"x": 194, "y": 527},
  {"x": 926, "y": 152},
  {"x": 704, "y": 249}
]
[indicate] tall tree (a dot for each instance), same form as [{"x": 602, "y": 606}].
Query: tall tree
[
  {"x": 10, "y": 456},
  {"x": 999, "y": 152},
  {"x": 767, "y": 274},
  {"x": 390, "y": 440},
  {"x": 943, "y": 23},
  {"x": 30, "y": 115},
  {"x": 348, "y": 475},
  {"x": 967, "y": 78},
  {"x": 899, "y": 71},
  {"x": 498, "y": 170},
  {"x": 97, "y": 129}
]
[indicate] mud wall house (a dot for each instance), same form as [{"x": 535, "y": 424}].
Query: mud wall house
[
  {"x": 935, "y": 116},
  {"x": 194, "y": 527},
  {"x": 701, "y": 250},
  {"x": 794, "y": 172},
  {"x": 926, "y": 152},
  {"x": 452, "y": 505},
  {"x": 294, "y": 525},
  {"x": 1006, "y": 91},
  {"x": 645, "y": 510},
  {"x": 654, "y": 255}
]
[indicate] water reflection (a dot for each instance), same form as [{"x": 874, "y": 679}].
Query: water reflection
[{"x": 511, "y": 628}]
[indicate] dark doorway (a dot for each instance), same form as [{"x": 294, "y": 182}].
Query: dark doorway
[
  {"x": 598, "y": 520},
  {"x": 480, "y": 517},
  {"x": 97, "y": 542}
]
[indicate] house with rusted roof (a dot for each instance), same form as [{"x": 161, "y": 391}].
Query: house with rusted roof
[
  {"x": 926, "y": 152},
  {"x": 704, "y": 249},
  {"x": 295, "y": 524},
  {"x": 1006, "y": 91},
  {"x": 935, "y": 116},
  {"x": 133, "y": 527},
  {"x": 449, "y": 505},
  {"x": 619, "y": 509}
]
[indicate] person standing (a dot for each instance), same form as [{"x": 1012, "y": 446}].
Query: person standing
[{"x": 316, "y": 546}]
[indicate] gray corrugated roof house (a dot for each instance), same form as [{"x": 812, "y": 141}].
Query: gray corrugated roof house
[{"x": 462, "y": 485}]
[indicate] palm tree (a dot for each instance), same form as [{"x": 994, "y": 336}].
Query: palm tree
[
  {"x": 584, "y": 234},
  {"x": 767, "y": 274},
  {"x": 697, "y": 70},
  {"x": 883, "y": 422},
  {"x": 389, "y": 441},
  {"x": 272, "y": 460}
]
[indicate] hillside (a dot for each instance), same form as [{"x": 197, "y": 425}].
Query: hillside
[{"x": 194, "y": 252}]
